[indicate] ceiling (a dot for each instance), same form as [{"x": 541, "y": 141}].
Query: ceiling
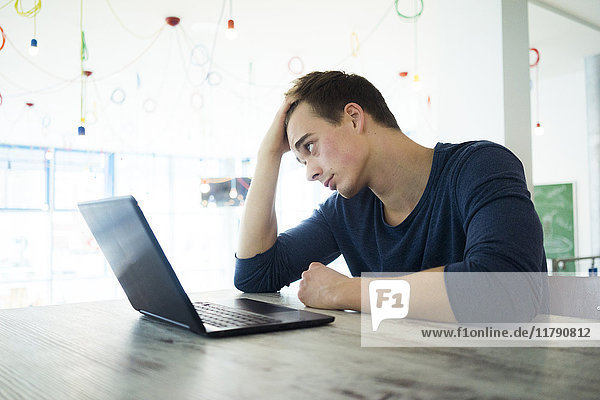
[
  {"x": 586, "y": 11},
  {"x": 159, "y": 71}
]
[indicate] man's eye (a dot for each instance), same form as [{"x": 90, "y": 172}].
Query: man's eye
[{"x": 309, "y": 147}]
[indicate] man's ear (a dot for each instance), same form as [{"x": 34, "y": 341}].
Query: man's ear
[{"x": 356, "y": 113}]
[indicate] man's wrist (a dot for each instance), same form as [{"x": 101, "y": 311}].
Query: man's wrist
[
  {"x": 347, "y": 295},
  {"x": 269, "y": 155}
]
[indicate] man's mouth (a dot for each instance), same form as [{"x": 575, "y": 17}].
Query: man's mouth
[{"x": 328, "y": 181}]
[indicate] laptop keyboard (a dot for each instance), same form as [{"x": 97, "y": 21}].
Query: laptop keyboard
[{"x": 224, "y": 317}]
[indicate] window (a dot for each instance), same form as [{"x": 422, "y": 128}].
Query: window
[{"x": 23, "y": 178}]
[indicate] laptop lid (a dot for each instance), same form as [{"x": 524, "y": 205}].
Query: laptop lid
[{"x": 140, "y": 265}]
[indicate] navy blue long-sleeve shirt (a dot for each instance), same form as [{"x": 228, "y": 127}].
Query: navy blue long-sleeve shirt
[{"x": 475, "y": 215}]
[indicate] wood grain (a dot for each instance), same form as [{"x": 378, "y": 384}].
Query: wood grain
[{"x": 106, "y": 350}]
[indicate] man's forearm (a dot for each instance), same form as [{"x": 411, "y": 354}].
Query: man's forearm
[
  {"x": 258, "y": 228},
  {"x": 428, "y": 298}
]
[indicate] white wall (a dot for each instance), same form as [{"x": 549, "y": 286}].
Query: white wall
[
  {"x": 561, "y": 154},
  {"x": 463, "y": 57}
]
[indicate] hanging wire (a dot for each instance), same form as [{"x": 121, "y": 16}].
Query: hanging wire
[
  {"x": 125, "y": 27},
  {"x": 57, "y": 87},
  {"x": 214, "y": 44},
  {"x": 537, "y": 89},
  {"x": 29, "y": 13},
  {"x": 185, "y": 64},
  {"x": 368, "y": 36},
  {"x": 416, "y": 31},
  {"x": 535, "y": 65},
  {"x": 158, "y": 34},
  {"x": 416, "y": 15},
  {"x": 6, "y": 5},
  {"x": 354, "y": 44},
  {"x": 16, "y": 49},
  {"x": 168, "y": 59},
  {"x": 83, "y": 56}
]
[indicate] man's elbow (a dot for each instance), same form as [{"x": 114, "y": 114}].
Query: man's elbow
[
  {"x": 253, "y": 283},
  {"x": 243, "y": 284}
]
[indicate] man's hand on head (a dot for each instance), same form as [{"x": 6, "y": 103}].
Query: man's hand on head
[
  {"x": 323, "y": 287},
  {"x": 275, "y": 141}
]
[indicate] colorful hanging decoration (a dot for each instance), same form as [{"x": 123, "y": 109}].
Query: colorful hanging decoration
[
  {"x": 416, "y": 15},
  {"x": 118, "y": 96},
  {"x": 416, "y": 83},
  {"x": 83, "y": 56},
  {"x": 537, "y": 57},
  {"x": 539, "y": 129},
  {"x": 199, "y": 55},
  {"x": 33, "y": 48},
  {"x": 3, "y": 38},
  {"x": 214, "y": 78},
  {"x": 197, "y": 100},
  {"x": 354, "y": 44},
  {"x": 149, "y": 105},
  {"x": 231, "y": 33},
  {"x": 37, "y": 6},
  {"x": 296, "y": 65},
  {"x": 31, "y": 13},
  {"x": 173, "y": 21}
]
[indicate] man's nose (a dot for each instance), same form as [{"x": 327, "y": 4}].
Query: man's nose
[{"x": 313, "y": 172}]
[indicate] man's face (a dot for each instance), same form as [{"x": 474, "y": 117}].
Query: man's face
[{"x": 333, "y": 155}]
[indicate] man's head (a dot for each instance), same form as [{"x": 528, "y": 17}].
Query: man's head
[
  {"x": 329, "y": 124},
  {"x": 328, "y": 92}
]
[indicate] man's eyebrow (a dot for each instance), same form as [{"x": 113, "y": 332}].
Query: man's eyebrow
[{"x": 301, "y": 140}]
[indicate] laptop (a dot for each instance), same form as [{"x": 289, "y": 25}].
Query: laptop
[{"x": 142, "y": 269}]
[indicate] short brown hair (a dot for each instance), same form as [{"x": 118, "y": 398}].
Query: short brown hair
[{"x": 328, "y": 93}]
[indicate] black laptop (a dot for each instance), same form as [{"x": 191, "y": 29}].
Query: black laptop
[{"x": 129, "y": 245}]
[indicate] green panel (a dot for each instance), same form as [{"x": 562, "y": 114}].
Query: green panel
[{"x": 554, "y": 204}]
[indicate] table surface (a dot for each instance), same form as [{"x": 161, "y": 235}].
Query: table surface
[{"x": 107, "y": 350}]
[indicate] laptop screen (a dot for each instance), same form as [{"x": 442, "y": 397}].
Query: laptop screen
[{"x": 135, "y": 256}]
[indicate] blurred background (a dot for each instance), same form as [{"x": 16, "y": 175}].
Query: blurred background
[{"x": 168, "y": 101}]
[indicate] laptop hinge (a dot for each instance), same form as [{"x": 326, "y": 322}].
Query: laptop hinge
[{"x": 165, "y": 319}]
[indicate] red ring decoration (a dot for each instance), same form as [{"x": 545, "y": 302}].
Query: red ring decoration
[
  {"x": 537, "y": 53},
  {"x": 298, "y": 71},
  {"x": 3, "y": 38},
  {"x": 0, "y": 99}
]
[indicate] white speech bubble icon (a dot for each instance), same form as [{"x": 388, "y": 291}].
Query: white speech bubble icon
[{"x": 389, "y": 300}]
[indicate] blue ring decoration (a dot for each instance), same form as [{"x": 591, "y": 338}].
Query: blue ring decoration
[
  {"x": 212, "y": 82},
  {"x": 204, "y": 50},
  {"x": 116, "y": 100}
]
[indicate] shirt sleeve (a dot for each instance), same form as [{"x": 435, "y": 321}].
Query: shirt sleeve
[
  {"x": 501, "y": 277},
  {"x": 311, "y": 241}
]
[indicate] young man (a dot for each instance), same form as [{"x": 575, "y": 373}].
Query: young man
[{"x": 397, "y": 207}]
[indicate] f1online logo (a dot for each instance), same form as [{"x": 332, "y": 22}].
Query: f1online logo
[{"x": 389, "y": 300}]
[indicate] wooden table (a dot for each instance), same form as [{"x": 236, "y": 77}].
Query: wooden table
[{"x": 106, "y": 350}]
